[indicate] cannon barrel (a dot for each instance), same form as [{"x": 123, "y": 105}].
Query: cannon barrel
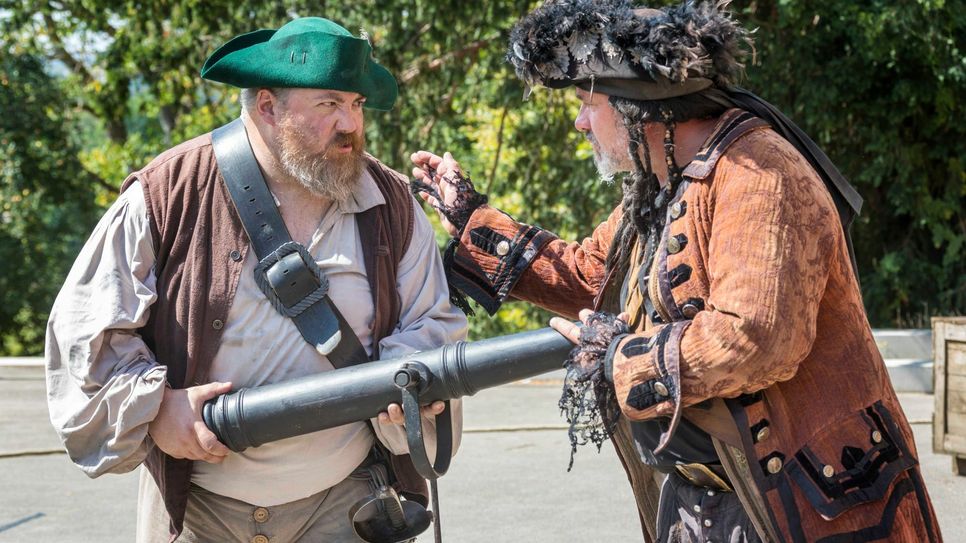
[{"x": 250, "y": 417}]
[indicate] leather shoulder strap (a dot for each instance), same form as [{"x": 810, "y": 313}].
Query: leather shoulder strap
[{"x": 317, "y": 318}]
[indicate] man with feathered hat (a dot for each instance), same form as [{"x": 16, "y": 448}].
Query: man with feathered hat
[
  {"x": 727, "y": 351},
  {"x": 172, "y": 302}
]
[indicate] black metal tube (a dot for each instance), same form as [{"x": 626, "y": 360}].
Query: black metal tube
[{"x": 253, "y": 416}]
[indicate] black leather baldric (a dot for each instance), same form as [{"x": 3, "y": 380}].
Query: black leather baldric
[{"x": 286, "y": 272}]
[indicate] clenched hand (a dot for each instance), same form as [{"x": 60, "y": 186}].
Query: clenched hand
[{"x": 179, "y": 430}]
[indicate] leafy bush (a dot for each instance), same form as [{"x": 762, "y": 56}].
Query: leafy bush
[{"x": 879, "y": 84}]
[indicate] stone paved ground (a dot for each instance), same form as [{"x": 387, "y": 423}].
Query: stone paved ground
[{"x": 508, "y": 483}]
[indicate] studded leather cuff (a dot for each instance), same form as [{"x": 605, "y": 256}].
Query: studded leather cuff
[
  {"x": 492, "y": 254},
  {"x": 647, "y": 376}
]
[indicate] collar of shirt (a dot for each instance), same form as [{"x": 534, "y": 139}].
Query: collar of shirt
[{"x": 365, "y": 195}]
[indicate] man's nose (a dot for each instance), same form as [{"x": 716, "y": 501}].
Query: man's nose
[
  {"x": 582, "y": 123},
  {"x": 348, "y": 122}
]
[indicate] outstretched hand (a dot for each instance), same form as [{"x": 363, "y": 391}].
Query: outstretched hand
[
  {"x": 439, "y": 181},
  {"x": 571, "y": 330}
]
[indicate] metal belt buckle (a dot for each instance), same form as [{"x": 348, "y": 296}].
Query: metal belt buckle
[
  {"x": 701, "y": 475},
  {"x": 291, "y": 279}
]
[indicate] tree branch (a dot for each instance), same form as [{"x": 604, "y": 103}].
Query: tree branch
[
  {"x": 101, "y": 182},
  {"x": 61, "y": 53},
  {"x": 499, "y": 146},
  {"x": 421, "y": 65},
  {"x": 419, "y": 32}
]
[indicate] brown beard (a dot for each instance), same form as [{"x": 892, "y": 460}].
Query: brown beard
[{"x": 328, "y": 174}]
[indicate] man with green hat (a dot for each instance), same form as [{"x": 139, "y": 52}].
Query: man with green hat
[
  {"x": 172, "y": 301},
  {"x": 728, "y": 356}
]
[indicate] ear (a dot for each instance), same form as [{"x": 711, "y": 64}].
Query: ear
[{"x": 267, "y": 107}]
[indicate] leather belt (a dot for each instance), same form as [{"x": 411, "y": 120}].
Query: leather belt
[{"x": 704, "y": 476}]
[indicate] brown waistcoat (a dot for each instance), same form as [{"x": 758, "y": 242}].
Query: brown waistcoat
[{"x": 200, "y": 246}]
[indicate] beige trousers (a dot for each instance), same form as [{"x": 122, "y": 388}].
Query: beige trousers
[{"x": 210, "y": 517}]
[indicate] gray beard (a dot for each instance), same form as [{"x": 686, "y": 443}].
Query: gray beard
[
  {"x": 329, "y": 177},
  {"x": 607, "y": 168},
  {"x": 608, "y": 165}
]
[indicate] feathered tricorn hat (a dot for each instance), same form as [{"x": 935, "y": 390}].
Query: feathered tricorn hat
[{"x": 622, "y": 50}]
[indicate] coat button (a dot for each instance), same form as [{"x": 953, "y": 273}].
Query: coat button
[
  {"x": 876, "y": 436},
  {"x": 762, "y": 434},
  {"x": 774, "y": 465},
  {"x": 503, "y": 248},
  {"x": 235, "y": 255},
  {"x": 708, "y": 523},
  {"x": 689, "y": 310},
  {"x": 259, "y": 539},
  {"x": 260, "y": 514},
  {"x": 217, "y": 324},
  {"x": 697, "y": 508},
  {"x": 673, "y": 245},
  {"x": 676, "y": 210},
  {"x": 828, "y": 471},
  {"x": 660, "y": 388}
]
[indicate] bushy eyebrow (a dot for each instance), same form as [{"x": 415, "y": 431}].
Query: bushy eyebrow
[{"x": 329, "y": 95}]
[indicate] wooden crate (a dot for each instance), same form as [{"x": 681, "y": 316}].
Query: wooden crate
[{"x": 949, "y": 370}]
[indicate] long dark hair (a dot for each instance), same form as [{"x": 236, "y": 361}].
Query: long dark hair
[{"x": 645, "y": 202}]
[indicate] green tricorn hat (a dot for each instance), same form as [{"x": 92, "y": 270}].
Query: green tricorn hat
[{"x": 309, "y": 52}]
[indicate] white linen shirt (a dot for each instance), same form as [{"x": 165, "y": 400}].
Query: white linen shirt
[{"x": 105, "y": 386}]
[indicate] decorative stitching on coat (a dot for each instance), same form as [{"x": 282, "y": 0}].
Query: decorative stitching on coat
[
  {"x": 644, "y": 395},
  {"x": 665, "y": 281},
  {"x": 487, "y": 239},
  {"x": 637, "y": 346},
  {"x": 884, "y": 527},
  {"x": 679, "y": 275},
  {"x": 867, "y": 480},
  {"x": 491, "y": 289}
]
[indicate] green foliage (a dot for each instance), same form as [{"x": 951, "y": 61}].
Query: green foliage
[
  {"x": 878, "y": 84},
  {"x": 46, "y": 198}
]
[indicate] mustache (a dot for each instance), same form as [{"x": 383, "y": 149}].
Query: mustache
[{"x": 355, "y": 139}]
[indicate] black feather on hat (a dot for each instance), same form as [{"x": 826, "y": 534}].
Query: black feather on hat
[{"x": 637, "y": 53}]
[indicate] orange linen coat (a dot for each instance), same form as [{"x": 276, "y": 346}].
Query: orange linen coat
[{"x": 759, "y": 335}]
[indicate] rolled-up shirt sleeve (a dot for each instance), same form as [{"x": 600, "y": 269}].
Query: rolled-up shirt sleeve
[
  {"x": 427, "y": 321},
  {"x": 103, "y": 384}
]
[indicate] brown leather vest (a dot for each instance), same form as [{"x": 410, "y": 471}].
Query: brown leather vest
[{"x": 200, "y": 246}]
